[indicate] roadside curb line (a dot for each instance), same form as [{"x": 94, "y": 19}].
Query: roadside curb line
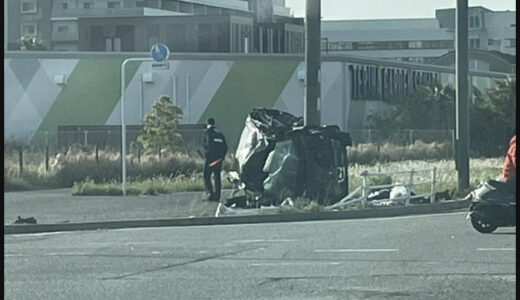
[{"x": 248, "y": 219}]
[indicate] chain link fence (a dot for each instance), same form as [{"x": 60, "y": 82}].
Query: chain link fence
[{"x": 402, "y": 137}]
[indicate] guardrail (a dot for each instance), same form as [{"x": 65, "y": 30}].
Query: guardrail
[{"x": 366, "y": 188}]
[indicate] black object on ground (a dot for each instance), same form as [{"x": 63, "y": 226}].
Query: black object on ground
[{"x": 29, "y": 220}]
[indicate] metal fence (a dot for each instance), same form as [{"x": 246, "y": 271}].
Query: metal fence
[
  {"x": 109, "y": 137},
  {"x": 412, "y": 181},
  {"x": 401, "y": 137}
]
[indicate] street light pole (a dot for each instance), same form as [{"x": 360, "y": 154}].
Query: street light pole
[
  {"x": 123, "y": 125},
  {"x": 160, "y": 53},
  {"x": 462, "y": 99},
  {"x": 311, "y": 108}
]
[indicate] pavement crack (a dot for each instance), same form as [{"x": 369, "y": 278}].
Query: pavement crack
[
  {"x": 180, "y": 264},
  {"x": 373, "y": 276}
]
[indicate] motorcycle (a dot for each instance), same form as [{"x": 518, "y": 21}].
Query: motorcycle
[{"x": 493, "y": 205}]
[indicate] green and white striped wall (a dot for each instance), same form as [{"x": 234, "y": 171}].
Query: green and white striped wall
[{"x": 224, "y": 89}]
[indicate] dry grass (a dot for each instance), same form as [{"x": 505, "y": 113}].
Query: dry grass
[
  {"x": 371, "y": 153},
  {"x": 174, "y": 170},
  {"x": 446, "y": 175}
]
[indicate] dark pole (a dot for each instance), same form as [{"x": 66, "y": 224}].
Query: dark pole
[
  {"x": 311, "y": 108},
  {"x": 20, "y": 159},
  {"x": 462, "y": 99}
]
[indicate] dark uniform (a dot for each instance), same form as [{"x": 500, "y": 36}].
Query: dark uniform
[{"x": 215, "y": 149}]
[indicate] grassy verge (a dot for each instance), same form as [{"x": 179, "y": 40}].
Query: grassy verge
[
  {"x": 154, "y": 186},
  {"x": 88, "y": 173},
  {"x": 481, "y": 169}
]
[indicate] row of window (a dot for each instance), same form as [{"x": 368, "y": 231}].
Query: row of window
[
  {"x": 388, "y": 45},
  {"x": 372, "y": 83},
  {"x": 394, "y": 45},
  {"x": 31, "y": 6},
  {"x": 88, "y": 5}
]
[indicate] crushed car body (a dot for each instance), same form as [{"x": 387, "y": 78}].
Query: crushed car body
[{"x": 278, "y": 158}]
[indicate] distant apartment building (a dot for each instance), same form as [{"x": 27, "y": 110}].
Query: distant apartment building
[
  {"x": 24, "y": 18},
  {"x": 421, "y": 40},
  {"x": 262, "y": 26}
]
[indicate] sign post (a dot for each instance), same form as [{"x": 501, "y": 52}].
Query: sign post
[{"x": 160, "y": 53}]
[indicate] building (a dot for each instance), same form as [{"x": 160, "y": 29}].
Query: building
[
  {"x": 218, "y": 33},
  {"x": 24, "y": 18},
  {"x": 264, "y": 26},
  {"x": 421, "y": 40},
  {"x": 48, "y": 90}
]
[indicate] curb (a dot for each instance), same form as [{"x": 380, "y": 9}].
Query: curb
[{"x": 249, "y": 219}]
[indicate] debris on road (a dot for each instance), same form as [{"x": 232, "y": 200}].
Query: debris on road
[{"x": 29, "y": 220}]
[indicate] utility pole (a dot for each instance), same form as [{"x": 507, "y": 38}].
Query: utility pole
[
  {"x": 462, "y": 99},
  {"x": 311, "y": 107},
  {"x": 6, "y": 27}
]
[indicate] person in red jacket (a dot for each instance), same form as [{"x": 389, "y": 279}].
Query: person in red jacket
[{"x": 509, "y": 169}]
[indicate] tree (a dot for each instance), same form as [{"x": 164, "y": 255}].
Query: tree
[
  {"x": 427, "y": 107},
  {"x": 160, "y": 127},
  {"x": 493, "y": 120},
  {"x": 503, "y": 101}
]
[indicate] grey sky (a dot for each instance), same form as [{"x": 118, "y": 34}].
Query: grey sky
[{"x": 389, "y": 9}]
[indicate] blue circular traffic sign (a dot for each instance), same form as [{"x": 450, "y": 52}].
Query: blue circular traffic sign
[{"x": 160, "y": 52}]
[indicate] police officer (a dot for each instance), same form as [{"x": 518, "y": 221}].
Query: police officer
[{"x": 215, "y": 149}]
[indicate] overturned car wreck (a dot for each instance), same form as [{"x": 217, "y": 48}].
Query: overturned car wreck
[{"x": 279, "y": 158}]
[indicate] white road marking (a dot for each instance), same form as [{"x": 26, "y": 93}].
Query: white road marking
[
  {"x": 353, "y": 250},
  {"x": 268, "y": 241},
  {"x": 496, "y": 249},
  {"x": 65, "y": 253},
  {"x": 39, "y": 234},
  {"x": 295, "y": 264}
]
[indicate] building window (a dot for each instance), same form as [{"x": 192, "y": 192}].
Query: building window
[
  {"x": 493, "y": 42},
  {"x": 477, "y": 21},
  {"x": 415, "y": 44},
  {"x": 29, "y": 30},
  {"x": 114, "y": 4},
  {"x": 153, "y": 35},
  {"x": 186, "y": 7},
  {"x": 474, "y": 43},
  {"x": 441, "y": 44},
  {"x": 471, "y": 22},
  {"x": 176, "y": 38},
  {"x": 512, "y": 43},
  {"x": 87, "y": 5},
  {"x": 28, "y": 7},
  {"x": 199, "y": 9},
  {"x": 65, "y": 5},
  {"x": 62, "y": 28},
  {"x": 139, "y": 3}
]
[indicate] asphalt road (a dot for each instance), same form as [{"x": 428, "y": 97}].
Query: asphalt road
[
  {"x": 416, "y": 257},
  {"x": 59, "y": 206}
]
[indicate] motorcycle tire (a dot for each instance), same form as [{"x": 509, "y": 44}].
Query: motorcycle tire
[{"x": 481, "y": 225}]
